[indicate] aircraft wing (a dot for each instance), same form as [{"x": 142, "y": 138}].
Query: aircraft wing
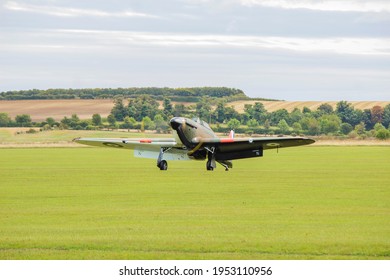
[
  {"x": 128, "y": 143},
  {"x": 143, "y": 147},
  {"x": 234, "y": 148}
]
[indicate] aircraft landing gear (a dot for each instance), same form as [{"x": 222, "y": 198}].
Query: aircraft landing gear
[
  {"x": 161, "y": 163},
  {"x": 210, "y": 165},
  {"x": 226, "y": 167}
]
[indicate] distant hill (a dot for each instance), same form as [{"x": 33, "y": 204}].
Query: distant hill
[
  {"x": 39, "y": 110},
  {"x": 175, "y": 94}
]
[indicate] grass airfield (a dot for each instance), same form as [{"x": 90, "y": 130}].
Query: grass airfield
[{"x": 94, "y": 203}]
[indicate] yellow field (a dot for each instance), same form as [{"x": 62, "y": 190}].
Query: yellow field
[
  {"x": 41, "y": 109},
  {"x": 272, "y": 106}
]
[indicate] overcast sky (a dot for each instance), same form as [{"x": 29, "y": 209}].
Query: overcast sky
[{"x": 282, "y": 49}]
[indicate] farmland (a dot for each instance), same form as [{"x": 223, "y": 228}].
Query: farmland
[
  {"x": 39, "y": 110},
  {"x": 301, "y": 203}
]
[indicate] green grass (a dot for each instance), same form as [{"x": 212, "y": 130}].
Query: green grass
[{"x": 303, "y": 203}]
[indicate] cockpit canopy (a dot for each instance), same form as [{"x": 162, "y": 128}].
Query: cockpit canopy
[{"x": 203, "y": 123}]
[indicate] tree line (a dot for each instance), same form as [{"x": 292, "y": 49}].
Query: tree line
[
  {"x": 341, "y": 121},
  {"x": 143, "y": 112},
  {"x": 176, "y": 94}
]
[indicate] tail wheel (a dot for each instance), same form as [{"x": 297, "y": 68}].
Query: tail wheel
[{"x": 163, "y": 165}]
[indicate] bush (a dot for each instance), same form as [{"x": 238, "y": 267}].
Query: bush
[
  {"x": 31, "y": 130},
  {"x": 346, "y": 128},
  {"x": 383, "y": 134}
]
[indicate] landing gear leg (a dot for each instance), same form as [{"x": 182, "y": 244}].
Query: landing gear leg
[
  {"x": 162, "y": 164},
  {"x": 210, "y": 165},
  {"x": 224, "y": 165}
]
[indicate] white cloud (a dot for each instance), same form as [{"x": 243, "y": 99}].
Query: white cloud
[
  {"x": 356, "y": 46},
  {"x": 70, "y": 12},
  {"x": 98, "y": 39},
  {"x": 325, "y": 5}
]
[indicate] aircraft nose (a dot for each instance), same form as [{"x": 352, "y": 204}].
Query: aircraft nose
[{"x": 176, "y": 122}]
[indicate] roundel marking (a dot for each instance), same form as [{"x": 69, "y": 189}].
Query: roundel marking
[
  {"x": 112, "y": 145},
  {"x": 273, "y": 145}
]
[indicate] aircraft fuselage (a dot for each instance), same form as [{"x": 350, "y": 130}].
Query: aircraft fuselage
[{"x": 187, "y": 129}]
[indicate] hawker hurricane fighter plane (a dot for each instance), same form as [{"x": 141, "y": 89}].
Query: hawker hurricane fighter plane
[{"x": 194, "y": 139}]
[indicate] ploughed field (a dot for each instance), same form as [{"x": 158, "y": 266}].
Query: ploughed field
[{"x": 99, "y": 203}]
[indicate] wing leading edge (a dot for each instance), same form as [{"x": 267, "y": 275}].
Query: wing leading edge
[
  {"x": 128, "y": 143},
  {"x": 143, "y": 147}
]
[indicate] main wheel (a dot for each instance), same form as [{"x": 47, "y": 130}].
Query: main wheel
[
  {"x": 163, "y": 165},
  {"x": 209, "y": 166}
]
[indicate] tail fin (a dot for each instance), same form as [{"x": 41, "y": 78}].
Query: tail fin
[{"x": 231, "y": 134}]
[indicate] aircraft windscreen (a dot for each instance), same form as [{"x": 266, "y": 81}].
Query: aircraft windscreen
[{"x": 199, "y": 121}]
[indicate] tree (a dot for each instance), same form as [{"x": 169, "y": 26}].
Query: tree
[
  {"x": 119, "y": 111},
  {"x": 360, "y": 128},
  {"x": 23, "y": 120},
  {"x": 203, "y": 109},
  {"x": 311, "y": 125},
  {"x": 346, "y": 128},
  {"x": 160, "y": 123},
  {"x": 283, "y": 126},
  {"x": 314, "y": 127},
  {"x": 267, "y": 125},
  {"x": 74, "y": 121},
  {"x": 296, "y": 115},
  {"x": 5, "y": 120},
  {"x": 357, "y": 116},
  {"x": 325, "y": 109},
  {"x": 231, "y": 113},
  {"x": 256, "y": 111},
  {"x": 168, "y": 108},
  {"x": 379, "y": 126},
  {"x": 377, "y": 114},
  {"x": 348, "y": 114},
  {"x": 83, "y": 124},
  {"x": 344, "y": 110},
  {"x": 233, "y": 124},
  {"x": 96, "y": 120},
  {"x": 179, "y": 110},
  {"x": 50, "y": 121},
  {"x": 306, "y": 110},
  {"x": 65, "y": 123},
  {"x": 111, "y": 120},
  {"x": 330, "y": 124},
  {"x": 129, "y": 122},
  {"x": 148, "y": 123},
  {"x": 277, "y": 116},
  {"x": 386, "y": 116},
  {"x": 297, "y": 127},
  {"x": 252, "y": 123},
  {"x": 142, "y": 106},
  {"x": 382, "y": 134},
  {"x": 367, "y": 119},
  {"x": 219, "y": 112}
]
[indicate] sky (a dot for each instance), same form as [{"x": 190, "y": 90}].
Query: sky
[{"x": 282, "y": 49}]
